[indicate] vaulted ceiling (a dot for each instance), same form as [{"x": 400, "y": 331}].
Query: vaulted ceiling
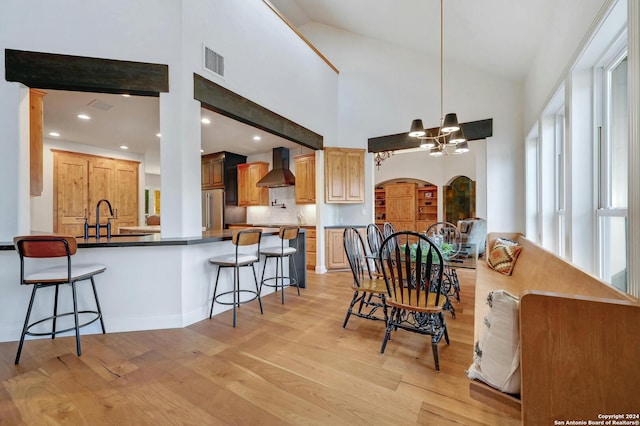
[{"x": 499, "y": 36}]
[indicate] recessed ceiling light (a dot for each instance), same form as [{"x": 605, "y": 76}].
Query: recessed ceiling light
[
  {"x": 124, "y": 147},
  {"x": 84, "y": 117},
  {"x": 257, "y": 138},
  {"x": 202, "y": 150},
  {"x": 205, "y": 120},
  {"x": 54, "y": 134},
  {"x": 126, "y": 95},
  {"x": 158, "y": 134}
]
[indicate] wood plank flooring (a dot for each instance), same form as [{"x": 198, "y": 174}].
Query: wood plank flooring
[{"x": 293, "y": 365}]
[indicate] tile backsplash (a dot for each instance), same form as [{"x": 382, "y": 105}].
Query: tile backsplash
[{"x": 303, "y": 214}]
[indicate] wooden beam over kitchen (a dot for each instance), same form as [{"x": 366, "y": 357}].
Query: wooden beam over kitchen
[
  {"x": 472, "y": 130},
  {"x": 216, "y": 98},
  {"x": 84, "y": 74}
]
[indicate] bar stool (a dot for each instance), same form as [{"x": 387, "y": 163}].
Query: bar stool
[
  {"x": 55, "y": 246},
  {"x": 287, "y": 233},
  {"x": 240, "y": 238}
]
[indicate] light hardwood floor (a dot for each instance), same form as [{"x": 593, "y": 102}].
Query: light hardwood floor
[{"x": 293, "y": 365}]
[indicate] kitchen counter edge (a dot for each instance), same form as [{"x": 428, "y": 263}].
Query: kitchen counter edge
[{"x": 156, "y": 240}]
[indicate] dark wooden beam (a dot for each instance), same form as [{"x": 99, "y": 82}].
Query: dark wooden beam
[
  {"x": 216, "y": 98},
  {"x": 472, "y": 130},
  {"x": 83, "y": 74}
]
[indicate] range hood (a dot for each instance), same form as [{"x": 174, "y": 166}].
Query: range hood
[{"x": 280, "y": 175}]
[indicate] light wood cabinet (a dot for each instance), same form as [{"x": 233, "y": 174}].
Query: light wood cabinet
[
  {"x": 311, "y": 247},
  {"x": 305, "y": 187},
  {"x": 248, "y": 193},
  {"x": 81, "y": 180},
  {"x": 407, "y": 206},
  {"x": 400, "y": 205},
  {"x": 125, "y": 199},
  {"x": 212, "y": 175},
  {"x": 36, "y": 120},
  {"x": 336, "y": 258},
  {"x": 344, "y": 175}
]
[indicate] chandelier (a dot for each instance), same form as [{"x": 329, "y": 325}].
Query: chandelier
[
  {"x": 379, "y": 157},
  {"x": 448, "y": 138}
]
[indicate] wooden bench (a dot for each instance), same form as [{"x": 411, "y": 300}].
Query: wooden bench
[{"x": 579, "y": 345}]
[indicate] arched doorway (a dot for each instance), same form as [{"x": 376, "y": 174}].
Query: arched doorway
[{"x": 459, "y": 199}]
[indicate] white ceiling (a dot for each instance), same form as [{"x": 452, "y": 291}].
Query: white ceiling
[
  {"x": 499, "y": 36},
  {"x": 135, "y": 121}
]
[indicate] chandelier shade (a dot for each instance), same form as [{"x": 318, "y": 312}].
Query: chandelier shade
[
  {"x": 457, "y": 137},
  {"x": 417, "y": 128},
  {"x": 449, "y": 132},
  {"x": 462, "y": 147}
]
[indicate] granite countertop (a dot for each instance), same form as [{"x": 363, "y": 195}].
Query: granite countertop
[
  {"x": 268, "y": 225},
  {"x": 133, "y": 240}
]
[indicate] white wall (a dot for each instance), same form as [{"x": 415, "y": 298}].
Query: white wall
[
  {"x": 265, "y": 61},
  {"x": 383, "y": 87}
]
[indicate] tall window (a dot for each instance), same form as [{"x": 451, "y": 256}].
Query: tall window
[
  {"x": 614, "y": 152},
  {"x": 559, "y": 183}
]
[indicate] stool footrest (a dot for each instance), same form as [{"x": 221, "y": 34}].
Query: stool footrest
[
  {"x": 51, "y": 333},
  {"x": 252, "y": 292},
  {"x": 292, "y": 282}
]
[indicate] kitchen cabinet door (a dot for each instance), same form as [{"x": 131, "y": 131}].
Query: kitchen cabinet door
[
  {"x": 101, "y": 186},
  {"x": 305, "y": 187},
  {"x": 212, "y": 171},
  {"x": 344, "y": 175},
  {"x": 248, "y": 176},
  {"x": 71, "y": 193},
  {"x": 336, "y": 256},
  {"x": 125, "y": 200}
]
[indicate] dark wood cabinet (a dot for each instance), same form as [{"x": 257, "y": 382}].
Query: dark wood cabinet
[{"x": 219, "y": 172}]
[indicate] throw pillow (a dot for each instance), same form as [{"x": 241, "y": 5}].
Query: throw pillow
[
  {"x": 502, "y": 257},
  {"x": 497, "y": 353},
  {"x": 505, "y": 241}
]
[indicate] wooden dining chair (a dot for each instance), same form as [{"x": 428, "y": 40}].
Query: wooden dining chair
[
  {"x": 413, "y": 271},
  {"x": 448, "y": 233},
  {"x": 368, "y": 292},
  {"x": 374, "y": 238}
]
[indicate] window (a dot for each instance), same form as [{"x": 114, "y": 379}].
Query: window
[
  {"x": 613, "y": 173},
  {"x": 560, "y": 189}
]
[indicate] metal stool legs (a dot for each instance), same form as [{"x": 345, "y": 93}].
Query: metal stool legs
[
  {"x": 236, "y": 291},
  {"x": 280, "y": 264},
  {"x": 76, "y": 326}
]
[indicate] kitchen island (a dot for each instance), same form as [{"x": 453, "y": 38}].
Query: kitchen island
[{"x": 150, "y": 282}]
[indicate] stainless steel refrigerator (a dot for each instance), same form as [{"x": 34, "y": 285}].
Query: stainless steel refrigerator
[{"x": 213, "y": 210}]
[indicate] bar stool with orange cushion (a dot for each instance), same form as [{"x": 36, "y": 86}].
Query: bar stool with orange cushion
[
  {"x": 286, "y": 233},
  {"x": 51, "y": 247},
  {"x": 249, "y": 240}
]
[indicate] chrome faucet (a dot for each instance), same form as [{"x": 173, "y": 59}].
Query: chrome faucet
[{"x": 97, "y": 224}]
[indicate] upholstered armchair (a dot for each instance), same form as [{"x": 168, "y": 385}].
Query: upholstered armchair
[{"x": 474, "y": 230}]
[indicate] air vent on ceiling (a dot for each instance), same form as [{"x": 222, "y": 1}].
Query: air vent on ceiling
[
  {"x": 213, "y": 61},
  {"x": 97, "y": 103}
]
